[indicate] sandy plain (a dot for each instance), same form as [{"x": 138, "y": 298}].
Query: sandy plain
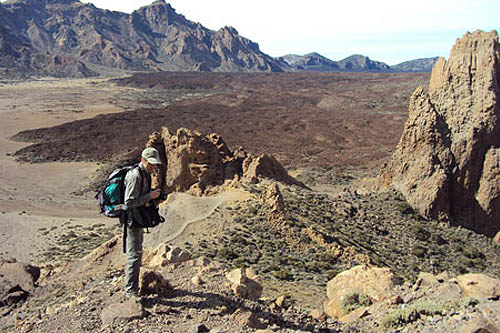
[{"x": 38, "y": 197}]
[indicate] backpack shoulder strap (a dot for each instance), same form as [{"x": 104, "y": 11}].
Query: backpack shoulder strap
[{"x": 141, "y": 174}]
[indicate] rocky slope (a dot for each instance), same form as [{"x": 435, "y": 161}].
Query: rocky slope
[
  {"x": 316, "y": 62},
  {"x": 311, "y": 62},
  {"x": 446, "y": 163},
  {"x": 297, "y": 242},
  {"x": 358, "y": 62},
  {"x": 70, "y": 38},
  {"x": 417, "y": 65},
  {"x": 355, "y": 63}
]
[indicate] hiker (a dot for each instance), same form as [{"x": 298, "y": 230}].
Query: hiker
[{"x": 137, "y": 195}]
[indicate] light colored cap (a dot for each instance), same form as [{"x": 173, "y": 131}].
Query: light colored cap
[{"x": 151, "y": 155}]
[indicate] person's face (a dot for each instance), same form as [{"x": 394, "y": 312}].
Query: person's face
[{"x": 150, "y": 167}]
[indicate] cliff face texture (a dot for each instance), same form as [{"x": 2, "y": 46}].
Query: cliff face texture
[
  {"x": 447, "y": 161},
  {"x": 70, "y": 38},
  {"x": 197, "y": 163}
]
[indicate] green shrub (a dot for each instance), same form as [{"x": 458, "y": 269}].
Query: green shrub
[
  {"x": 438, "y": 239},
  {"x": 410, "y": 314},
  {"x": 282, "y": 275},
  {"x": 240, "y": 262},
  {"x": 226, "y": 253},
  {"x": 472, "y": 253},
  {"x": 354, "y": 300},
  {"x": 418, "y": 251},
  {"x": 469, "y": 302},
  {"x": 420, "y": 232}
]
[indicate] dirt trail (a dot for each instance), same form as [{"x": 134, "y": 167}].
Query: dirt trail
[{"x": 182, "y": 210}]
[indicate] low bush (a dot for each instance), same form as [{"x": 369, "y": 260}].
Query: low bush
[
  {"x": 410, "y": 314},
  {"x": 354, "y": 300}
]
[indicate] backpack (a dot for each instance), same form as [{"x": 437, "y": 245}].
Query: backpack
[{"x": 112, "y": 195}]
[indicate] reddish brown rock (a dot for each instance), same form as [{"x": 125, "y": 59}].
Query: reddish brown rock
[
  {"x": 245, "y": 283},
  {"x": 124, "y": 312},
  {"x": 153, "y": 283},
  {"x": 17, "y": 281},
  {"x": 247, "y": 319},
  {"x": 196, "y": 163},
  {"x": 447, "y": 161}
]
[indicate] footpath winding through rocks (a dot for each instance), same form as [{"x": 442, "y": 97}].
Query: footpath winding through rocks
[{"x": 182, "y": 210}]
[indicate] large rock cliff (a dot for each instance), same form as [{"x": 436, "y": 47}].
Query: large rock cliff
[
  {"x": 447, "y": 161},
  {"x": 197, "y": 163}
]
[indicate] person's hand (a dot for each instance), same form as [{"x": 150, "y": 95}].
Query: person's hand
[{"x": 155, "y": 193}]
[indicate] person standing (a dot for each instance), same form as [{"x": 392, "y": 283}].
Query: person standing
[{"x": 138, "y": 193}]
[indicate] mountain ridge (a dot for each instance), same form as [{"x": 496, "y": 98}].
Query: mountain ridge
[
  {"x": 152, "y": 38},
  {"x": 316, "y": 62},
  {"x": 68, "y": 38}
]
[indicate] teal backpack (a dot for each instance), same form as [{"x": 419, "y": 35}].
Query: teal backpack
[{"x": 112, "y": 195}]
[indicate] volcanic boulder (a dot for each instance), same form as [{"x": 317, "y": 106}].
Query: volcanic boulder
[
  {"x": 17, "y": 281},
  {"x": 447, "y": 161}
]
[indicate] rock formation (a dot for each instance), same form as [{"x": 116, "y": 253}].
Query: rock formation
[
  {"x": 376, "y": 283},
  {"x": 245, "y": 283},
  {"x": 447, "y": 161},
  {"x": 196, "y": 163},
  {"x": 273, "y": 200}
]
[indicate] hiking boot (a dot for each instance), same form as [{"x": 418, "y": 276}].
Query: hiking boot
[{"x": 132, "y": 296}]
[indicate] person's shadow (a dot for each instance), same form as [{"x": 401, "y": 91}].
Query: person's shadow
[{"x": 173, "y": 303}]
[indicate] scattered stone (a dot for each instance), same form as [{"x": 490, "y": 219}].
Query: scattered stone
[
  {"x": 247, "y": 319},
  {"x": 355, "y": 315},
  {"x": 163, "y": 255},
  {"x": 376, "y": 283},
  {"x": 282, "y": 302},
  {"x": 17, "y": 281},
  {"x": 479, "y": 286},
  {"x": 318, "y": 314},
  {"x": 395, "y": 300},
  {"x": 23, "y": 275},
  {"x": 479, "y": 324},
  {"x": 198, "y": 328},
  {"x": 425, "y": 280},
  {"x": 151, "y": 282},
  {"x": 496, "y": 239},
  {"x": 197, "y": 280},
  {"x": 117, "y": 313},
  {"x": 245, "y": 283}
]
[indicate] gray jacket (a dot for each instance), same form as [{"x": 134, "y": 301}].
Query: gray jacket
[{"x": 136, "y": 194}]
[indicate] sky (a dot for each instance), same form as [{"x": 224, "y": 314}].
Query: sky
[{"x": 391, "y": 31}]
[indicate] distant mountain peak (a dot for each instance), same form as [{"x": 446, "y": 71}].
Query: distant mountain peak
[
  {"x": 64, "y": 2},
  {"x": 316, "y": 62},
  {"x": 230, "y": 30}
]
